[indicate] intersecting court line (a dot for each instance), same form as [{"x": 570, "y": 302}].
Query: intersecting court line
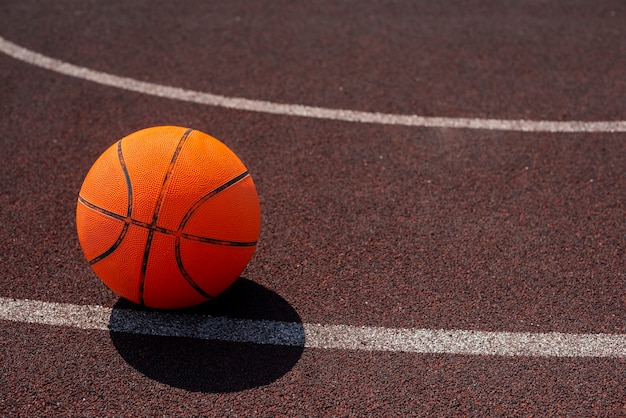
[
  {"x": 341, "y": 337},
  {"x": 153, "y": 89}
]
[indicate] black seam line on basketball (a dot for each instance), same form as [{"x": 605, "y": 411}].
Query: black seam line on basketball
[
  {"x": 183, "y": 271},
  {"x": 129, "y": 208},
  {"x": 129, "y": 186},
  {"x": 160, "y": 229},
  {"x": 157, "y": 210},
  {"x": 112, "y": 214},
  {"x": 224, "y": 243},
  {"x": 209, "y": 195},
  {"x": 183, "y": 222},
  {"x": 119, "y": 239}
]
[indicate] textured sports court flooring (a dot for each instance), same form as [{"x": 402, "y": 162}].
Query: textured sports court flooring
[{"x": 443, "y": 196}]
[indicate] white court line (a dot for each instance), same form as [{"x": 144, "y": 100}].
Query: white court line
[
  {"x": 125, "y": 83},
  {"x": 342, "y": 337}
]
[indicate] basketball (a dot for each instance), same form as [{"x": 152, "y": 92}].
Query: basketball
[{"x": 168, "y": 217}]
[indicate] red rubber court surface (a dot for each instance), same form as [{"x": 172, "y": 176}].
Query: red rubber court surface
[{"x": 443, "y": 197}]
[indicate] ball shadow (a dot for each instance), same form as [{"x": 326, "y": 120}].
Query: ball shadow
[{"x": 202, "y": 365}]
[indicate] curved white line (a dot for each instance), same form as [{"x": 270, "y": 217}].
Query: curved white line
[{"x": 153, "y": 89}]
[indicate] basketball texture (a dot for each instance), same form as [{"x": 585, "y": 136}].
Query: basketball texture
[{"x": 168, "y": 217}]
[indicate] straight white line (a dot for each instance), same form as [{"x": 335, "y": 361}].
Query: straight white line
[
  {"x": 341, "y": 337},
  {"x": 125, "y": 83}
]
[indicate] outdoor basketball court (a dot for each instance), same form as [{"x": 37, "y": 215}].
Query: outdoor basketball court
[{"x": 443, "y": 199}]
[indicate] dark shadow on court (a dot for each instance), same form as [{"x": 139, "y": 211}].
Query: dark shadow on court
[{"x": 202, "y": 365}]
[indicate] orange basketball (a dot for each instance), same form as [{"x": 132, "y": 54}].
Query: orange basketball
[{"x": 168, "y": 217}]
